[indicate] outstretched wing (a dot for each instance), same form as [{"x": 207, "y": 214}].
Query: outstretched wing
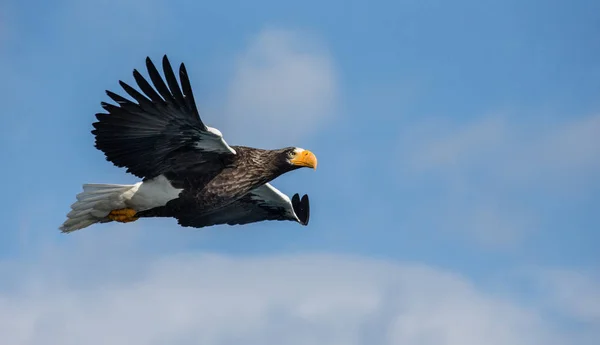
[
  {"x": 262, "y": 203},
  {"x": 161, "y": 132}
]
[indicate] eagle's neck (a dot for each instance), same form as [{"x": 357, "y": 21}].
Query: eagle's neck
[
  {"x": 251, "y": 168},
  {"x": 266, "y": 165}
]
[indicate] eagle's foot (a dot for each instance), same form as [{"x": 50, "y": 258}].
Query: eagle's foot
[{"x": 123, "y": 215}]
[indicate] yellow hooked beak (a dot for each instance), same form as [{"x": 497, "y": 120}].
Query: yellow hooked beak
[{"x": 305, "y": 159}]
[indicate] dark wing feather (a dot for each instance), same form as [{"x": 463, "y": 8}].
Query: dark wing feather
[
  {"x": 301, "y": 208},
  {"x": 261, "y": 204},
  {"x": 161, "y": 131}
]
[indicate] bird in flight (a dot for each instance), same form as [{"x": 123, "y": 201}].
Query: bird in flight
[{"x": 187, "y": 170}]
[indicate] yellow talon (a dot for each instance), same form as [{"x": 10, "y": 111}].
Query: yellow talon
[{"x": 123, "y": 215}]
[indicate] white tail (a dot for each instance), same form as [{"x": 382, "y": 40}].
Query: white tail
[{"x": 95, "y": 203}]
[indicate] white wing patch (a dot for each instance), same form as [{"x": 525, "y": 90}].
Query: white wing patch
[
  {"x": 273, "y": 197},
  {"x": 212, "y": 140}
]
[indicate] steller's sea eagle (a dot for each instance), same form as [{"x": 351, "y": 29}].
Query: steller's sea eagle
[{"x": 188, "y": 171}]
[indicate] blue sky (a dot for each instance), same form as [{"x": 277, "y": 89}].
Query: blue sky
[{"x": 457, "y": 145}]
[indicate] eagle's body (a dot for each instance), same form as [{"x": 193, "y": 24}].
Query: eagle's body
[{"x": 188, "y": 171}]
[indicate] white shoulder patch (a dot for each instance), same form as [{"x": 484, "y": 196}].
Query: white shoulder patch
[{"x": 212, "y": 140}]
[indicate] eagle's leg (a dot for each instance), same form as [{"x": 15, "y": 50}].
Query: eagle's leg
[{"x": 123, "y": 215}]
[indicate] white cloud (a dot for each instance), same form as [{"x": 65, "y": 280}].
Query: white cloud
[
  {"x": 284, "y": 88},
  {"x": 299, "y": 299}
]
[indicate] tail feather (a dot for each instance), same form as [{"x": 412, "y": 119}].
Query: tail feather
[{"x": 95, "y": 203}]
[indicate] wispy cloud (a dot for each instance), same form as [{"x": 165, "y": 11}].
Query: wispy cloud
[
  {"x": 574, "y": 293},
  {"x": 508, "y": 150},
  {"x": 295, "y": 299},
  {"x": 284, "y": 88},
  {"x": 481, "y": 169}
]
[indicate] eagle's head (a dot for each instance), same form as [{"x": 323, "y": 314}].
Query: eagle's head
[{"x": 296, "y": 157}]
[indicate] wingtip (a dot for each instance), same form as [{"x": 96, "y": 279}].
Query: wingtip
[
  {"x": 165, "y": 61},
  {"x": 99, "y": 117},
  {"x": 110, "y": 94},
  {"x": 306, "y": 206},
  {"x": 149, "y": 64},
  {"x": 301, "y": 207}
]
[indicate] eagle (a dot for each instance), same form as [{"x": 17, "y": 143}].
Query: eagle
[{"x": 187, "y": 169}]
